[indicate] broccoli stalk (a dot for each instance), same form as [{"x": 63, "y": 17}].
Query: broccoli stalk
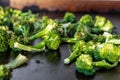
[
  {"x": 72, "y": 56},
  {"x": 5, "y": 69},
  {"x": 27, "y": 48},
  {"x": 76, "y": 52},
  {"x": 45, "y": 31},
  {"x": 104, "y": 64},
  {"x": 69, "y": 40}
]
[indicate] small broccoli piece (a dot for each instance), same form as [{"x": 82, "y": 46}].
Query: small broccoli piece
[
  {"x": 86, "y": 20},
  {"x": 69, "y": 17},
  {"x": 104, "y": 64},
  {"x": 76, "y": 52},
  {"x": 81, "y": 32},
  {"x": 102, "y": 24},
  {"x": 3, "y": 40},
  {"x": 84, "y": 64},
  {"x": 64, "y": 29},
  {"x": 23, "y": 24},
  {"x": 80, "y": 47},
  {"x": 4, "y": 73},
  {"x": 69, "y": 40},
  {"x": 53, "y": 40},
  {"x": 108, "y": 52},
  {"x": 27, "y": 47},
  {"x": 6, "y": 69},
  {"x": 45, "y": 31},
  {"x": 16, "y": 43}
]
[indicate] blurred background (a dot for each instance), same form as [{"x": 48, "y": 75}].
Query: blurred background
[{"x": 65, "y": 5}]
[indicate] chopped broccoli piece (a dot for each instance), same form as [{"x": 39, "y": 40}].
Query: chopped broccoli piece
[
  {"x": 69, "y": 17},
  {"x": 86, "y": 20},
  {"x": 4, "y": 37},
  {"x": 6, "y": 69},
  {"x": 84, "y": 64},
  {"x": 104, "y": 64},
  {"x": 102, "y": 24},
  {"x": 108, "y": 52},
  {"x": 45, "y": 31}
]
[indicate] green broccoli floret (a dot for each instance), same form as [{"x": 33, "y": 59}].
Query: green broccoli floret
[
  {"x": 80, "y": 47},
  {"x": 53, "y": 40},
  {"x": 23, "y": 24},
  {"x": 86, "y": 20},
  {"x": 4, "y": 73},
  {"x": 108, "y": 52},
  {"x": 6, "y": 68},
  {"x": 69, "y": 17},
  {"x": 102, "y": 24},
  {"x": 16, "y": 43},
  {"x": 45, "y": 31},
  {"x": 3, "y": 40},
  {"x": 82, "y": 32},
  {"x": 84, "y": 64},
  {"x": 76, "y": 52}
]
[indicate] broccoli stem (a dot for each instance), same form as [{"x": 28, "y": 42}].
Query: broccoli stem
[
  {"x": 27, "y": 48},
  {"x": 114, "y": 41},
  {"x": 45, "y": 31},
  {"x": 39, "y": 45},
  {"x": 72, "y": 56},
  {"x": 69, "y": 40},
  {"x": 104, "y": 64},
  {"x": 19, "y": 60}
]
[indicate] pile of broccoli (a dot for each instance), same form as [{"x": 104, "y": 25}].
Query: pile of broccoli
[{"x": 94, "y": 46}]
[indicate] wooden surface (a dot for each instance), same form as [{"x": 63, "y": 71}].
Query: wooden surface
[{"x": 68, "y": 5}]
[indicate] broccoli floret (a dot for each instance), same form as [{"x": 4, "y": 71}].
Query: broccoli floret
[
  {"x": 69, "y": 17},
  {"x": 81, "y": 32},
  {"x": 16, "y": 43},
  {"x": 4, "y": 73},
  {"x": 108, "y": 52},
  {"x": 76, "y": 51},
  {"x": 102, "y": 24},
  {"x": 53, "y": 40},
  {"x": 84, "y": 64},
  {"x": 80, "y": 47},
  {"x": 6, "y": 69},
  {"x": 23, "y": 24},
  {"x": 86, "y": 20},
  {"x": 45, "y": 31},
  {"x": 3, "y": 40}
]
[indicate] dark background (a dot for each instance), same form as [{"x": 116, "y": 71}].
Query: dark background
[{"x": 4, "y": 3}]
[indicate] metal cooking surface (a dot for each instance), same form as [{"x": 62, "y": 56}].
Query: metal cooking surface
[{"x": 41, "y": 67}]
